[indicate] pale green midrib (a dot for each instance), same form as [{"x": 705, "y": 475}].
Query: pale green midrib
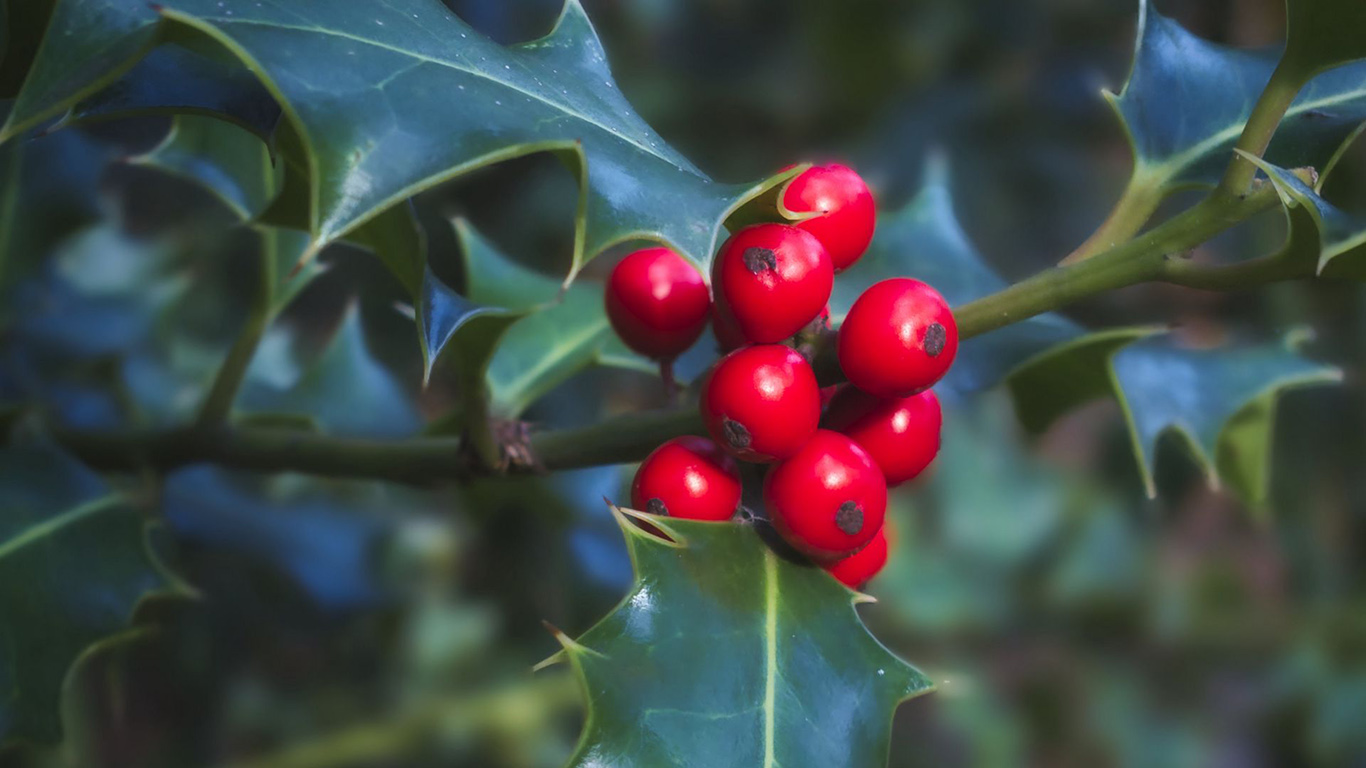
[
  {"x": 452, "y": 65},
  {"x": 1183, "y": 159},
  {"x": 52, "y": 525},
  {"x": 770, "y": 654}
]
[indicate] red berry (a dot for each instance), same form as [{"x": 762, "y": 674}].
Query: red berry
[
  {"x": 900, "y": 433},
  {"x": 728, "y": 336},
  {"x": 898, "y": 339},
  {"x": 829, "y": 499},
  {"x": 657, "y": 302},
  {"x": 761, "y": 403},
  {"x": 848, "y": 215},
  {"x": 688, "y": 477},
  {"x": 771, "y": 280},
  {"x": 855, "y": 570}
]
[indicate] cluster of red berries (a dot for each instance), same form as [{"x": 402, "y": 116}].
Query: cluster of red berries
[{"x": 826, "y": 493}]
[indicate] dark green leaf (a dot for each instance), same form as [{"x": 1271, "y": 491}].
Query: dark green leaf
[
  {"x": 225, "y": 159},
  {"x": 1187, "y": 99},
  {"x": 1321, "y": 34},
  {"x": 21, "y": 28},
  {"x": 924, "y": 240},
  {"x": 73, "y": 564},
  {"x": 726, "y": 654},
  {"x": 1320, "y": 233},
  {"x": 1221, "y": 401},
  {"x": 424, "y": 98},
  {"x": 346, "y": 389}
]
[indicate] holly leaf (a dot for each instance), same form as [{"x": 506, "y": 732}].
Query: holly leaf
[
  {"x": 924, "y": 240},
  {"x": 1322, "y": 34},
  {"x": 1323, "y": 235},
  {"x": 424, "y": 98},
  {"x": 347, "y": 390},
  {"x": 74, "y": 562},
  {"x": 225, "y": 159},
  {"x": 515, "y": 331},
  {"x": 1221, "y": 402},
  {"x": 727, "y": 654},
  {"x": 1187, "y": 99}
]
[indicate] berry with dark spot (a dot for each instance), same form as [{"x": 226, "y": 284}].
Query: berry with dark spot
[
  {"x": 900, "y": 433},
  {"x": 770, "y": 280},
  {"x": 761, "y": 403},
  {"x": 657, "y": 302},
  {"x": 855, "y": 570},
  {"x": 899, "y": 338},
  {"x": 847, "y": 214},
  {"x": 829, "y": 499},
  {"x": 688, "y": 477}
]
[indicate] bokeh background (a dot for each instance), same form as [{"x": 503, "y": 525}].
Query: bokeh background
[{"x": 1069, "y": 620}]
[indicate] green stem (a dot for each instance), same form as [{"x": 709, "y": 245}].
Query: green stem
[
  {"x": 1134, "y": 208},
  {"x": 1280, "y": 92},
  {"x": 217, "y": 404}
]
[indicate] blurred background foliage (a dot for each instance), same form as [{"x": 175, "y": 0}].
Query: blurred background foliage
[{"x": 1067, "y": 619}]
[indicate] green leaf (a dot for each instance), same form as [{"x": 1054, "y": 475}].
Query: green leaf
[
  {"x": 225, "y": 159},
  {"x": 423, "y": 99},
  {"x": 1322, "y": 34},
  {"x": 1186, "y": 101},
  {"x": 345, "y": 389},
  {"x": 74, "y": 562},
  {"x": 1220, "y": 401},
  {"x": 727, "y": 654},
  {"x": 1333, "y": 240},
  {"x": 516, "y": 328},
  {"x": 924, "y": 240}
]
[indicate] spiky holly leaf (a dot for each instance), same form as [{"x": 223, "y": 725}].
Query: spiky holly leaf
[
  {"x": 1326, "y": 237},
  {"x": 221, "y": 157},
  {"x": 514, "y": 328},
  {"x": 726, "y": 653},
  {"x": 346, "y": 389},
  {"x": 924, "y": 240},
  {"x": 74, "y": 562},
  {"x": 1221, "y": 401},
  {"x": 1186, "y": 101},
  {"x": 422, "y": 98}
]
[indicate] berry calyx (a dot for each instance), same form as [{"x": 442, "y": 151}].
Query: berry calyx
[
  {"x": 771, "y": 280},
  {"x": 761, "y": 403},
  {"x": 857, "y": 569},
  {"x": 657, "y": 302},
  {"x": 688, "y": 477},
  {"x": 900, "y": 433},
  {"x": 828, "y": 500},
  {"x": 898, "y": 338},
  {"x": 847, "y": 212}
]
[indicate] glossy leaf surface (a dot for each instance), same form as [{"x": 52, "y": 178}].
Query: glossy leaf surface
[{"x": 725, "y": 653}]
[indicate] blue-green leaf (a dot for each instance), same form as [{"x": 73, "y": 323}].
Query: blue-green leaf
[
  {"x": 225, "y": 159},
  {"x": 1221, "y": 401},
  {"x": 725, "y": 654},
  {"x": 74, "y": 562},
  {"x": 1187, "y": 99},
  {"x": 1330, "y": 239}
]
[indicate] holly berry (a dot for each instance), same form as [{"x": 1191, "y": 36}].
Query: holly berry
[
  {"x": 847, "y": 213},
  {"x": 898, "y": 339},
  {"x": 688, "y": 477},
  {"x": 857, "y": 569},
  {"x": 829, "y": 499},
  {"x": 771, "y": 280},
  {"x": 761, "y": 403},
  {"x": 901, "y": 434},
  {"x": 657, "y": 302}
]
